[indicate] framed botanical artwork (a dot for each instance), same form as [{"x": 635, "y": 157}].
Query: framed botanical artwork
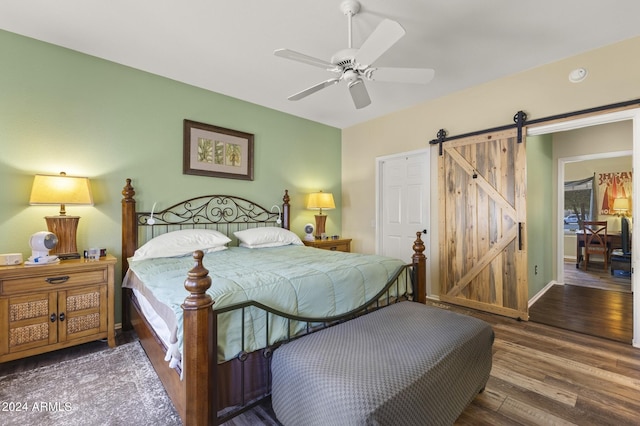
[{"x": 218, "y": 152}]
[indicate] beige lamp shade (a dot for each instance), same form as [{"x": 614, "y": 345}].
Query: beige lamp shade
[
  {"x": 621, "y": 204},
  {"x": 321, "y": 200},
  {"x": 62, "y": 189}
]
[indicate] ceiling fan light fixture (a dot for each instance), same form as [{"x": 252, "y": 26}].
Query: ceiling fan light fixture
[
  {"x": 354, "y": 82},
  {"x": 359, "y": 94},
  {"x": 350, "y": 76}
]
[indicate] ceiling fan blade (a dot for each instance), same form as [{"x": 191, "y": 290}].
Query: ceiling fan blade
[
  {"x": 359, "y": 94},
  {"x": 403, "y": 75},
  {"x": 383, "y": 37},
  {"x": 313, "y": 89},
  {"x": 300, "y": 57}
]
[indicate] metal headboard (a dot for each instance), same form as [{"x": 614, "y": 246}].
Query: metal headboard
[{"x": 224, "y": 213}]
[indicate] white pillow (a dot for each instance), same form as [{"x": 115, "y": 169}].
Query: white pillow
[
  {"x": 180, "y": 243},
  {"x": 269, "y": 236}
]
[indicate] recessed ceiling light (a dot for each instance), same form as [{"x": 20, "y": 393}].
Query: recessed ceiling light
[{"x": 578, "y": 75}]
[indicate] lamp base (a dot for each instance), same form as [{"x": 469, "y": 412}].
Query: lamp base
[
  {"x": 65, "y": 228},
  {"x": 321, "y": 220}
]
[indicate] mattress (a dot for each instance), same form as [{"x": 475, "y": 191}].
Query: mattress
[
  {"x": 298, "y": 280},
  {"x": 406, "y": 364}
]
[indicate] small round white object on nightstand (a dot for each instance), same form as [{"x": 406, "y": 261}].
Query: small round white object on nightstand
[
  {"x": 41, "y": 242},
  {"x": 308, "y": 229}
]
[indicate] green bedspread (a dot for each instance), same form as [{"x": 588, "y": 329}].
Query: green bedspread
[{"x": 296, "y": 279}]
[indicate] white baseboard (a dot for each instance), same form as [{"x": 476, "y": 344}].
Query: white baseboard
[{"x": 539, "y": 294}]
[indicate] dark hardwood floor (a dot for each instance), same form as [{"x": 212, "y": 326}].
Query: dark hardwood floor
[
  {"x": 592, "y": 302},
  {"x": 595, "y": 277},
  {"x": 601, "y": 313},
  {"x": 545, "y": 375}
]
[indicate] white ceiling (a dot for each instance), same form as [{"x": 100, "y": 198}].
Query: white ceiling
[{"x": 226, "y": 46}]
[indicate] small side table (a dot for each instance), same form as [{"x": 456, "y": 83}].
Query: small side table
[{"x": 49, "y": 307}]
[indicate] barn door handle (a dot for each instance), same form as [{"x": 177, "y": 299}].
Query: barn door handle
[{"x": 520, "y": 236}]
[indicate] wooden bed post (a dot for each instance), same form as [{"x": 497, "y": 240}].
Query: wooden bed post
[
  {"x": 129, "y": 244},
  {"x": 285, "y": 210},
  {"x": 199, "y": 348},
  {"x": 129, "y": 231},
  {"x": 420, "y": 268}
]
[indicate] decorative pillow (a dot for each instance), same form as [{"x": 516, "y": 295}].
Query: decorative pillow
[
  {"x": 269, "y": 236},
  {"x": 180, "y": 243}
]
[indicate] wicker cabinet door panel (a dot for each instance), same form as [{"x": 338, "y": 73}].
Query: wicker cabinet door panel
[
  {"x": 29, "y": 322},
  {"x": 82, "y": 312}
]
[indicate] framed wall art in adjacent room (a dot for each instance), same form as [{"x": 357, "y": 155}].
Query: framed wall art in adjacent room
[{"x": 218, "y": 152}]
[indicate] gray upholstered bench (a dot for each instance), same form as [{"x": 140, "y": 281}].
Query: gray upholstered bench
[{"x": 406, "y": 364}]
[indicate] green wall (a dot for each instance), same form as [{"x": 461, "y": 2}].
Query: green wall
[
  {"x": 61, "y": 110},
  {"x": 540, "y": 212}
]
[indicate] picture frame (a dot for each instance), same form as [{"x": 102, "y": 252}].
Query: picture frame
[{"x": 214, "y": 151}]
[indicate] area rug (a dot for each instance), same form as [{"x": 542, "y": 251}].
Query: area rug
[{"x": 111, "y": 387}]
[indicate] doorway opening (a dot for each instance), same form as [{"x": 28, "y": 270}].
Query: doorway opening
[{"x": 634, "y": 116}]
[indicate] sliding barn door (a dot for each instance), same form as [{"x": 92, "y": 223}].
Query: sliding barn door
[{"x": 482, "y": 223}]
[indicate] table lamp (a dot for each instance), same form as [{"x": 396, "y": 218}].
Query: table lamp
[
  {"x": 318, "y": 201},
  {"x": 621, "y": 206},
  {"x": 62, "y": 189}
]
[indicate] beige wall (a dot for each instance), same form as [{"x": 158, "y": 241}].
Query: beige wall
[{"x": 540, "y": 92}]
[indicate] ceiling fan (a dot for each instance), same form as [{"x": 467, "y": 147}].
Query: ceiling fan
[{"x": 355, "y": 65}]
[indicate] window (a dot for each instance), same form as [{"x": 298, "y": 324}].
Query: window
[{"x": 579, "y": 202}]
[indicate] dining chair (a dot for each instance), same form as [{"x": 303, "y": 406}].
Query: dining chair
[{"x": 595, "y": 241}]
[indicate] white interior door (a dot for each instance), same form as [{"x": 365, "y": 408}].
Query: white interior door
[{"x": 403, "y": 203}]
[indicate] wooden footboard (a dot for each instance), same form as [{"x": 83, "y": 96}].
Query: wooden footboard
[{"x": 203, "y": 379}]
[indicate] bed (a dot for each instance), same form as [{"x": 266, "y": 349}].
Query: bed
[{"x": 215, "y": 362}]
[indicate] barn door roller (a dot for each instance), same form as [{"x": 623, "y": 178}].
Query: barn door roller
[{"x": 519, "y": 119}]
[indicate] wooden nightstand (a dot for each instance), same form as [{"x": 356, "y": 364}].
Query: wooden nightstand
[
  {"x": 342, "y": 244},
  {"x": 49, "y": 307}
]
